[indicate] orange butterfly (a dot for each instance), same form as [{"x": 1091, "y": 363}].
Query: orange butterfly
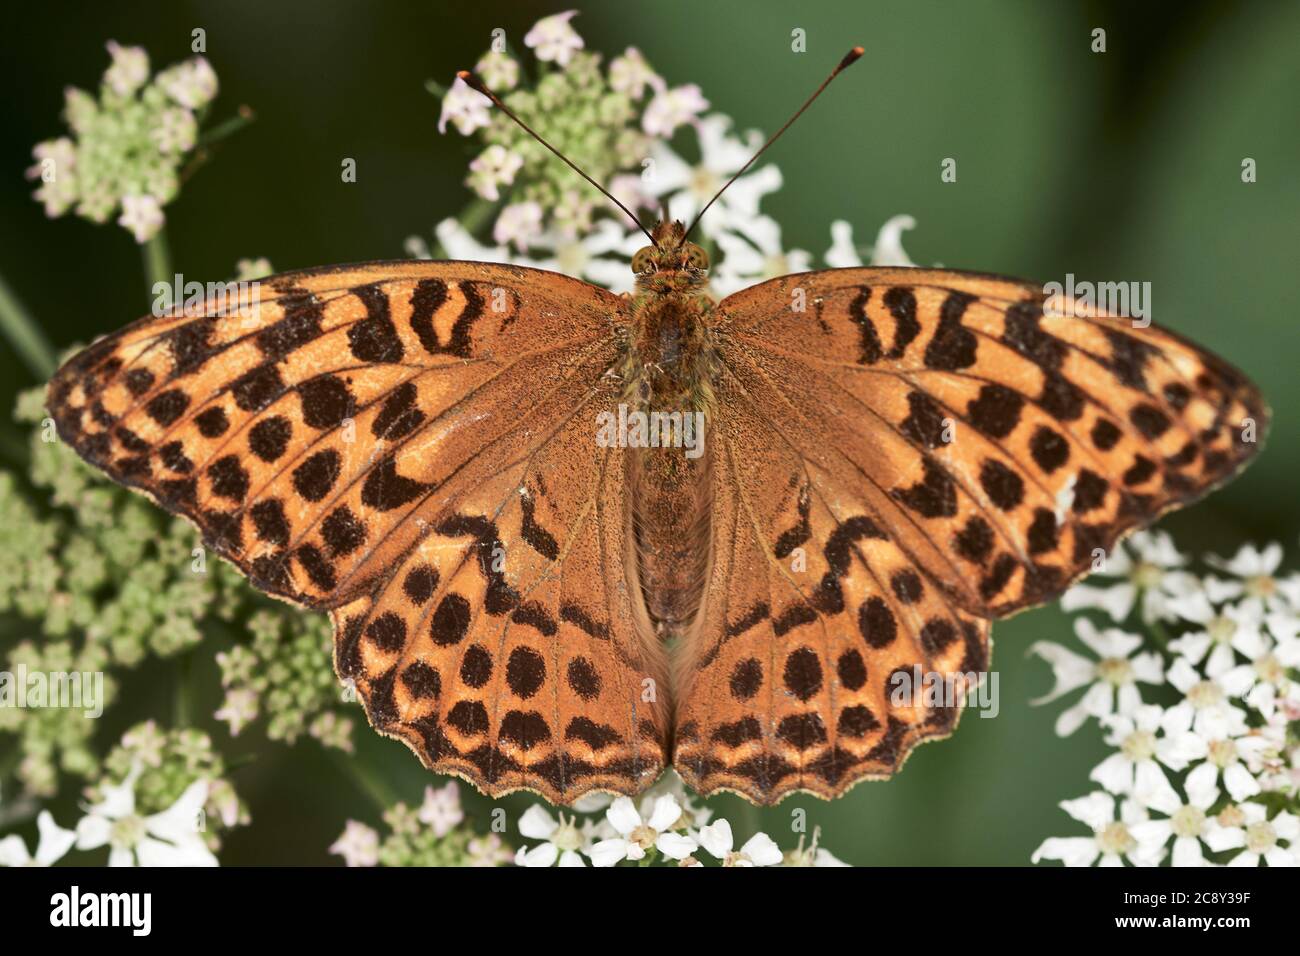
[{"x": 865, "y": 466}]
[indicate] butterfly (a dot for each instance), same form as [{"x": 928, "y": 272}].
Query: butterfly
[{"x": 532, "y": 596}]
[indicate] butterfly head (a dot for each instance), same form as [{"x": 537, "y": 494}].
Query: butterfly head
[{"x": 672, "y": 259}]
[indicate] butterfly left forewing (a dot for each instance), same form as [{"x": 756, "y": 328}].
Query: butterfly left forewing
[{"x": 409, "y": 445}]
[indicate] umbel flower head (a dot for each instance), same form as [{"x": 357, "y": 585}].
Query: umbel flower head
[
  {"x": 1210, "y": 773},
  {"x": 619, "y": 122},
  {"x": 126, "y": 145}
]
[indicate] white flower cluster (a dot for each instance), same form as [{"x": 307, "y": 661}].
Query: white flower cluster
[
  {"x": 434, "y": 834},
  {"x": 1214, "y": 775},
  {"x": 127, "y": 145},
  {"x": 646, "y": 174},
  {"x": 173, "y": 837},
  {"x": 667, "y": 825}
]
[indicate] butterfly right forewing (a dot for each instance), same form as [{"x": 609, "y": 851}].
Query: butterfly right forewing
[{"x": 910, "y": 454}]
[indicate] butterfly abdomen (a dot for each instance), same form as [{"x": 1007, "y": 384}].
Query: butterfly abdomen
[
  {"x": 669, "y": 495},
  {"x": 667, "y": 398}
]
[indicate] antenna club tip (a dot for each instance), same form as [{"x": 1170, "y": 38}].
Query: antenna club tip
[
  {"x": 851, "y": 57},
  {"x": 472, "y": 81}
]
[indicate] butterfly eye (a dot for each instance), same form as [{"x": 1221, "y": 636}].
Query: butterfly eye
[
  {"x": 696, "y": 258},
  {"x": 643, "y": 261}
]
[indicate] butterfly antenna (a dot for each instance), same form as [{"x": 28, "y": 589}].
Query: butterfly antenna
[
  {"x": 476, "y": 84},
  {"x": 849, "y": 59}
]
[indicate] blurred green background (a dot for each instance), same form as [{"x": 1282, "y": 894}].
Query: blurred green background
[{"x": 1119, "y": 166}]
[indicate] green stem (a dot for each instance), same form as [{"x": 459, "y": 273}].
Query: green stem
[
  {"x": 377, "y": 789},
  {"x": 474, "y": 216},
  {"x": 210, "y": 139},
  {"x": 1159, "y": 634},
  {"x": 183, "y": 713},
  {"x": 9, "y": 762},
  {"x": 244, "y": 116},
  {"x": 24, "y": 334},
  {"x": 158, "y": 265},
  {"x": 747, "y": 822},
  {"x": 14, "y": 449}
]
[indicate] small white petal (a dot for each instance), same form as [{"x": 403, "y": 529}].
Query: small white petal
[
  {"x": 1219, "y": 839},
  {"x": 537, "y": 824},
  {"x": 1096, "y": 809},
  {"x": 1070, "y": 720},
  {"x": 1187, "y": 852},
  {"x": 1202, "y": 779},
  {"x": 13, "y": 852},
  {"x": 180, "y": 821},
  {"x": 1238, "y": 782},
  {"x": 1276, "y": 856},
  {"x": 622, "y": 815},
  {"x": 191, "y": 851},
  {"x": 544, "y": 854},
  {"x": 665, "y": 813},
  {"x": 1072, "y": 851},
  {"x": 717, "y": 838},
  {"x": 93, "y": 831},
  {"x": 675, "y": 846},
  {"x": 762, "y": 850},
  {"x": 54, "y": 840},
  {"x": 1115, "y": 773},
  {"x": 608, "y": 852}
]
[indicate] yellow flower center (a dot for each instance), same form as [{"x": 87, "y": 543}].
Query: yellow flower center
[
  {"x": 1270, "y": 669},
  {"x": 1146, "y": 575},
  {"x": 704, "y": 184},
  {"x": 1261, "y": 586},
  {"x": 1260, "y": 837},
  {"x": 1188, "y": 822},
  {"x": 1139, "y": 745},
  {"x": 643, "y": 836},
  {"x": 1115, "y": 838},
  {"x": 1116, "y": 670},
  {"x": 1222, "y": 753},
  {"x": 1231, "y": 816},
  {"x": 1205, "y": 694},
  {"x": 1221, "y": 629}
]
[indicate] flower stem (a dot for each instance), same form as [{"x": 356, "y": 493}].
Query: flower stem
[
  {"x": 244, "y": 116},
  {"x": 9, "y": 762},
  {"x": 24, "y": 334},
  {"x": 158, "y": 263},
  {"x": 366, "y": 780},
  {"x": 183, "y": 704},
  {"x": 1159, "y": 635},
  {"x": 747, "y": 821}
]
